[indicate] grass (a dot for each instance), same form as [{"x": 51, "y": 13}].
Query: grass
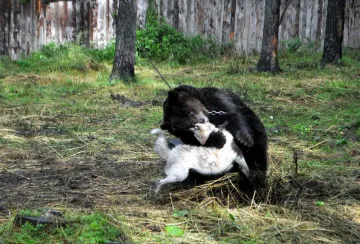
[
  {"x": 89, "y": 228},
  {"x": 66, "y": 144}
]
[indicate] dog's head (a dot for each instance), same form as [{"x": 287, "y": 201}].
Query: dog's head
[
  {"x": 182, "y": 110},
  {"x": 203, "y": 131}
]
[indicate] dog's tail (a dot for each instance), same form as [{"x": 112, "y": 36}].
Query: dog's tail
[{"x": 161, "y": 146}]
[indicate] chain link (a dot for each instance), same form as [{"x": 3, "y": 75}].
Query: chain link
[{"x": 217, "y": 113}]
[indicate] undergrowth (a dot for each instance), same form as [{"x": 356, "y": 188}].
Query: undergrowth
[{"x": 162, "y": 42}]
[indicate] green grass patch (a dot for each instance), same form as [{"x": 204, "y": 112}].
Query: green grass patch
[{"x": 93, "y": 228}]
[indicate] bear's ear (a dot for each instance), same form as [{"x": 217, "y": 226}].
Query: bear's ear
[{"x": 175, "y": 96}]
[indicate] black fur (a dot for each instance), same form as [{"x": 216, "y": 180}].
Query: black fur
[
  {"x": 216, "y": 139},
  {"x": 187, "y": 105}
]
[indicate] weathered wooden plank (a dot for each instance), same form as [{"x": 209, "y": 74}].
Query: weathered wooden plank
[
  {"x": 308, "y": 19},
  {"x": 2, "y": 31},
  {"x": 190, "y": 28},
  {"x": 259, "y": 15},
  {"x": 287, "y": 22},
  {"x": 260, "y": 24},
  {"x": 319, "y": 14},
  {"x": 200, "y": 17},
  {"x": 302, "y": 19},
  {"x": 226, "y": 20},
  {"x": 352, "y": 24},
  {"x": 31, "y": 33},
  {"x": 4, "y": 15},
  {"x": 246, "y": 32},
  {"x": 218, "y": 10},
  {"x": 100, "y": 39},
  {"x": 251, "y": 26},
  {"x": 14, "y": 40},
  {"x": 239, "y": 26},
  {"x": 296, "y": 32},
  {"x": 41, "y": 27}
]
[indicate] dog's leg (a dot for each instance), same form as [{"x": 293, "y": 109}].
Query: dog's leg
[
  {"x": 240, "y": 160},
  {"x": 161, "y": 145},
  {"x": 167, "y": 180}
]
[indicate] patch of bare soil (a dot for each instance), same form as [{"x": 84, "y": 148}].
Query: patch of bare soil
[
  {"x": 78, "y": 183},
  {"x": 101, "y": 182},
  {"x": 97, "y": 183}
]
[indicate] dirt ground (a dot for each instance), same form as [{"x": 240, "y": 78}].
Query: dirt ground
[
  {"x": 82, "y": 183},
  {"x": 99, "y": 182},
  {"x": 79, "y": 183}
]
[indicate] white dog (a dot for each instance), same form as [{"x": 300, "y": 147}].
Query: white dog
[{"x": 205, "y": 160}]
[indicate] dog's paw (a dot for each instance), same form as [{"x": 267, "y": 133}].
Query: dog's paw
[
  {"x": 244, "y": 138},
  {"x": 151, "y": 194},
  {"x": 157, "y": 132}
]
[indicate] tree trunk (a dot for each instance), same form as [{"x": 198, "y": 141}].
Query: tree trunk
[
  {"x": 123, "y": 67},
  {"x": 334, "y": 32},
  {"x": 268, "y": 59}
]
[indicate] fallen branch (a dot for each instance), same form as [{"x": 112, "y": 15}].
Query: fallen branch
[{"x": 317, "y": 144}]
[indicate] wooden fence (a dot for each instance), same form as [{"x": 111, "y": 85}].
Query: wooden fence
[
  {"x": 26, "y": 25},
  {"x": 242, "y": 20}
]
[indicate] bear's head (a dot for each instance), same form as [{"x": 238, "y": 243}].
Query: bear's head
[{"x": 182, "y": 110}]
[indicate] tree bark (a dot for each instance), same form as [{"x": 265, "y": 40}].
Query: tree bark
[
  {"x": 268, "y": 58},
  {"x": 123, "y": 67},
  {"x": 334, "y": 32}
]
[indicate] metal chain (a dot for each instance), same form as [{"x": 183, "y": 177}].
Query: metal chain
[{"x": 217, "y": 113}]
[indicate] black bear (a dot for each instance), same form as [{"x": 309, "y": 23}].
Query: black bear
[{"x": 186, "y": 106}]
